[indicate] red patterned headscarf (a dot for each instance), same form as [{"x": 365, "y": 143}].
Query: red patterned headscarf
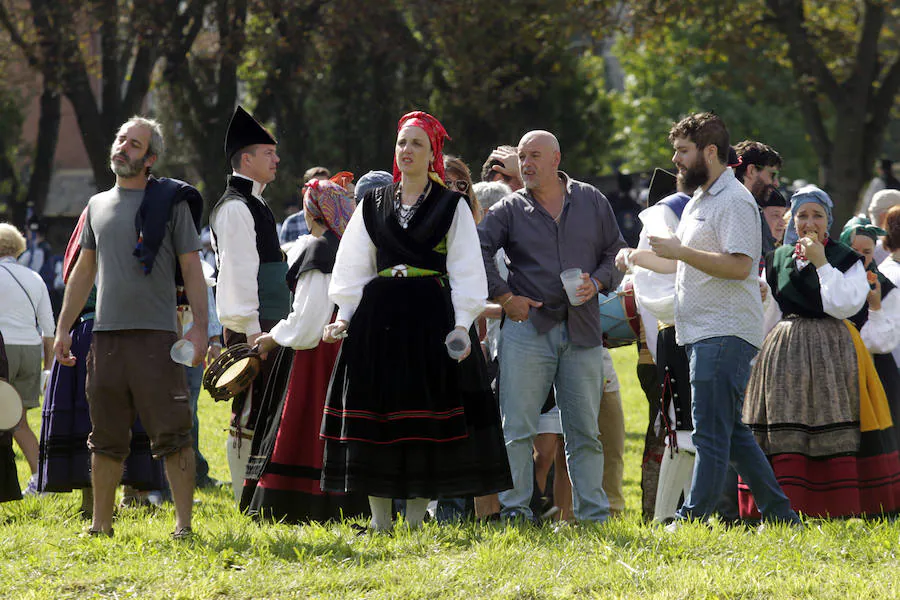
[
  {"x": 327, "y": 201},
  {"x": 436, "y": 135}
]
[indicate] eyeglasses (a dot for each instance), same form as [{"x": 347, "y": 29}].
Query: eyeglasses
[
  {"x": 773, "y": 172},
  {"x": 460, "y": 185}
]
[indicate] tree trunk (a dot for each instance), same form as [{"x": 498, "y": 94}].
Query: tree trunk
[{"x": 45, "y": 149}]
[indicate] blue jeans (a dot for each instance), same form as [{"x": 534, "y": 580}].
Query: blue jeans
[
  {"x": 720, "y": 370},
  {"x": 529, "y": 364},
  {"x": 450, "y": 509},
  {"x": 195, "y": 379}
]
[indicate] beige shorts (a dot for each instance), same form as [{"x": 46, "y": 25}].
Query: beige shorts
[
  {"x": 609, "y": 373},
  {"x": 25, "y": 364}
]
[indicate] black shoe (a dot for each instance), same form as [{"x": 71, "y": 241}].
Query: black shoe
[
  {"x": 206, "y": 483},
  {"x": 517, "y": 516}
]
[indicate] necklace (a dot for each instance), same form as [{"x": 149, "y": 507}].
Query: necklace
[{"x": 405, "y": 212}]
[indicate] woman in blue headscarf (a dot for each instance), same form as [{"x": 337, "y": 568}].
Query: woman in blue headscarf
[{"x": 814, "y": 401}]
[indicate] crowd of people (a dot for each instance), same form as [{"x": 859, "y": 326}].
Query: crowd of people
[{"x": 434, "y": 346}]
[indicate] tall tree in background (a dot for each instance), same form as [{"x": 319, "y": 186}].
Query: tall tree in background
[
  {"x": 202, "y": 86},
  {"x": 44, "y": 56},
  {"x": 106, "y": 51},
  {"x": 664, "y": 82},
  {"x": 335, "y": 76},
  {"x": 845, "y": 58}
]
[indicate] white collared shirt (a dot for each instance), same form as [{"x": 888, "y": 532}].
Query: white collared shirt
[
  {"x": 723, "y": 219},
  {"x": 237, "y": 292}
]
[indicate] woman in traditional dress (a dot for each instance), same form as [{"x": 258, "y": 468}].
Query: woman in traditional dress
[
  {"x": 879, "y": 320},
  {"x": 890, "y": 266},
  {"x": 403, "y": 419},
  {"x": 285, "y": 467},
  {"x": 64, "y": 460},
  {"x": 814, "y": 401}
]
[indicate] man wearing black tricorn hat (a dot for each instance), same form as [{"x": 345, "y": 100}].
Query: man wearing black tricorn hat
[{"x": 251, "y": 293}]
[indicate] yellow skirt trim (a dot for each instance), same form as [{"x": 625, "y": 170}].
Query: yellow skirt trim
[{"x": 874, "y": 412}]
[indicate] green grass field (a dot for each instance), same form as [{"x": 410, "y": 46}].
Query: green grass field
[{"x": 43, "y": 556}]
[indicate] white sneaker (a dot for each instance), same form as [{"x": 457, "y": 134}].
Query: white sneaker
[{"x": 32, "y": 488}]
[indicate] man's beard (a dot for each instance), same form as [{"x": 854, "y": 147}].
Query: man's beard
[
  {"x": 127, "y": 169},
  {"x": 761, "y": 191},
  {"x": 694, "y": 175}
]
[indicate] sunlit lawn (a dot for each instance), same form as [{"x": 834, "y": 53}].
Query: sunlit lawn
[{"x": 43, "y": 556}]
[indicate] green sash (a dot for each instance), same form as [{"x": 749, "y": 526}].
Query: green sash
[{"x": 272, "y": 290}]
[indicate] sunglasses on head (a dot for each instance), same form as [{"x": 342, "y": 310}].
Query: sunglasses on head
[{"x": 460, "y": 185}]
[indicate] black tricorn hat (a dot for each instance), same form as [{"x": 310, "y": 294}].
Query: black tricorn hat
[
  {"x": 662, "y": 184},
  {"x": 775, "y": 198},
  {"x": 243, "y": 131}
]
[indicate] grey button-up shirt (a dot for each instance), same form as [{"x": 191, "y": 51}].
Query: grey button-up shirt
[{"x": 538, "y": 249}]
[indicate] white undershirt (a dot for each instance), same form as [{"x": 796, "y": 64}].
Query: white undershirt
[{"x": 237, "y": 293}]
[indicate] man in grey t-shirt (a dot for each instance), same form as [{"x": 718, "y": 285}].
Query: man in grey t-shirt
[{"x": 130, "y": 372}]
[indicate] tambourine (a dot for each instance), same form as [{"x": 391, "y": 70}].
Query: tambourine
[
  {"x": 10, "y": 407},
  {"x": 232, "y": 372}
]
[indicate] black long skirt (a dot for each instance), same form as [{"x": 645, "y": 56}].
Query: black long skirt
[
  {"x": 402, "y": 419},
  {"x": 889, "y": 373}
]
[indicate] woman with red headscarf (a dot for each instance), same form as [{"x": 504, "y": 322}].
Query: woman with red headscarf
[
  {"x": 285, "y": 462},
  {"x": 406, "y": 417}
]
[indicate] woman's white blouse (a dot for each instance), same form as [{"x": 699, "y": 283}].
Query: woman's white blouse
[
  {"x": 890, "y": 268},
  {"x": 311, "y": 312},
  {"x": 843, "y": 294},
  {"x": 881, "y": 333},
  {"x": 355, "y": 267}
]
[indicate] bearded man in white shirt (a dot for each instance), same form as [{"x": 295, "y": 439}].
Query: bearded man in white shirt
[{"x": 251, "y": 292}]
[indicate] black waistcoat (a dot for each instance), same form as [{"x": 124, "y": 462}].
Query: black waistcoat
[
  {"x": 267, "y": 244},
  {"x": 418, "y": 244}
]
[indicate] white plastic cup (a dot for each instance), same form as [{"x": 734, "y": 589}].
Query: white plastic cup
[
  {"x": 571, "y": 279},
  {"x": 456, "y": 345},
  {"x": 660, "y": 230},
  {"x": 182, "y": 352}
]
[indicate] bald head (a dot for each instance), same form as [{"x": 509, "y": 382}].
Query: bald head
[
  {"x": 539, "y": 158},
  {"x": 542, "y": 138}
]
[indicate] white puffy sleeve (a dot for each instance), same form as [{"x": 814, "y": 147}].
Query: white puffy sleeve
[
  {"x": 354, "y": 266},
  {"x": 655, "y": 292},
  {"x": 881, "y": 333},
  {"x": 843, "y": 294},
  {"x": 237, "y": 295},
  {"x": 311, "y": 312},
  {"x": 465, "y": 267}
]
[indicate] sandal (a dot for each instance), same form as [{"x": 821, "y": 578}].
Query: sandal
[
  {"x": 182, "y": 533},
  {"x": 91, "y": 532}
]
